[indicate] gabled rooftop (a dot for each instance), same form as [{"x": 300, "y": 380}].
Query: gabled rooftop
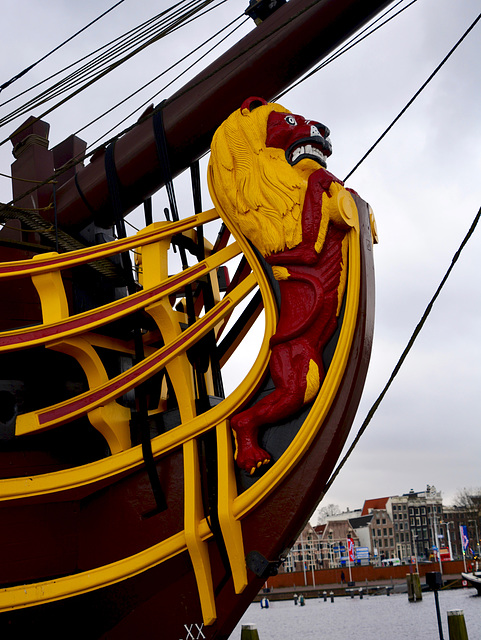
[{"x": 374, "y": 503}]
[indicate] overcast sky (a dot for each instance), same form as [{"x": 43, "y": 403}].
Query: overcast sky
[{"x": 423, "y": 182}]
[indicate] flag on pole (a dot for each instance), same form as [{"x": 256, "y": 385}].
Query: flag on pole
[
  {"x": 350, "y": 549},
  {"x": 463, "y": 530}
]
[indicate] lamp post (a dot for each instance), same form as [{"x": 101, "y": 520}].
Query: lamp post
[
  {"x": 331, "y": 557},
  {"x": 414, "y": 536},
  {"x": 303, "y": 552}
]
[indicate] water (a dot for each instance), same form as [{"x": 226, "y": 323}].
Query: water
[{"x": 388, "y": 617}]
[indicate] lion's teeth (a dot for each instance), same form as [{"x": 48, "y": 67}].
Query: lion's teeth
[
  {"x": 308, "y": 149},
  {"x": 297, "y": 152}
]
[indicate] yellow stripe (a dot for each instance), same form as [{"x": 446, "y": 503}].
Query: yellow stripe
[
  {"x": 189, "y": 275},
  {"x": 29, "y": 595},
  {"x": 83, "y": 256}
]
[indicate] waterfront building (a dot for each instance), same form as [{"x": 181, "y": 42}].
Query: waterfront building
[
  {"x": 453, "y": 518},
  {"x": 305, "y": 554},
  {"x": 405, "y": 527},
  {"x": 415, "y": 523}
]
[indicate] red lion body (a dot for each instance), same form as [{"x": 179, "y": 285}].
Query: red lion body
[{"x": 308, "y": 319}]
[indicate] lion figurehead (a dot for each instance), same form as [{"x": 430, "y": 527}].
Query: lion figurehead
[{"x": 261, "y": 159}]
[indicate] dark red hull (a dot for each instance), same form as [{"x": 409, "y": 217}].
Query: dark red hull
[{"x": 83, "y": 530}]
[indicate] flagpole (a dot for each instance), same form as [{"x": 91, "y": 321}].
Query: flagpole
[{"x": 461, "y": 531}]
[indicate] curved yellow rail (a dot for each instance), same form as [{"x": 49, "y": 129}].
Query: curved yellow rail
[
  {"x": 89, "y": 475},
  {"x": 42, "y": 264},
  {"x": 232, "y": 508}
]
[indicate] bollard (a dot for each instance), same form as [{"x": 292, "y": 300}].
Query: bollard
[
  {"x": 249, "y": 632},
  {"x": 332, "y": 596},
  {"x": 409, "y": 583},
  {"x": 418, "y": 592},
  {"x": 324, "y": 595},
  {"x": 457, "y": 625},
  {"x": 414, "y": 587},
  {"x": 361, "y": 595}
]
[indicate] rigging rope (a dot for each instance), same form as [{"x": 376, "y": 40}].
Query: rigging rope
[
  {"x": 146, "y": 102},
  {"x": 34, "y": 222},
  {"x": 107, "y": 46},
  {"x": 404, "y": 354},
  {"x": 166, "y": 26},
  {"x": 30, "y": 67},
  {"x": 424, "y": 317},
  {"x": 423, "y": 86},
  {"x": 90, "y": 75},
  {"x": 355, "y": 40}
]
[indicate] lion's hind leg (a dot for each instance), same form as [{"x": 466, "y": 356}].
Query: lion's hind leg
[
  {"x": 249, "y": 455},
  {"x": 295, "y": 371}
]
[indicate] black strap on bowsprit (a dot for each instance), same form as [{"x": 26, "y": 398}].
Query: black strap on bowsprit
[
  {"x": 164, "y": 161},
  {"x": 140, "y": 415},
  {"x": 199, "y": 354}
]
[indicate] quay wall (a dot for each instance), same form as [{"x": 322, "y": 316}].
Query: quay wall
[{"x": 361, "y": 574}]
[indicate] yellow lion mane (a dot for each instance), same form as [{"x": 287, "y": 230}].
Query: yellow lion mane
[{"x": 254, "y": 185}]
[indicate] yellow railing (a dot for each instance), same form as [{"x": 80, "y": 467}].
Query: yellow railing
[{"x": 95, "y": 403}]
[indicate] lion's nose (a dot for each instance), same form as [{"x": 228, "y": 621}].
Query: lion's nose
[{"x": 319, "y": 129}]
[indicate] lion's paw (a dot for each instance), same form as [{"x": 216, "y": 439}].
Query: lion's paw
[{"x": 251, "y": 457}]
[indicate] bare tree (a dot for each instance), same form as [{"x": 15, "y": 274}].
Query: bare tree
[
  {"x": 329, "y": 510},
  {"x": 470, "y": 500}
]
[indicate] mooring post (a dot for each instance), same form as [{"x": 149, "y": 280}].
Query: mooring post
[
  {"x": 457, "y": 625},
  {"x": 249, "y": 632},
  {"x": 418, "y": 592},
  {"x": 414, "y": 587},
  {"x": 332, "y": 596},
  {"x": 324, "y": 595}
]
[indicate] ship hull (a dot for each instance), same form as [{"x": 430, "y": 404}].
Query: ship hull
[{"x": 81, "y": 530}]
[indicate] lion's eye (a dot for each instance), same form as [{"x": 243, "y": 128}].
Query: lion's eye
[{"x": 291, "y": 120}]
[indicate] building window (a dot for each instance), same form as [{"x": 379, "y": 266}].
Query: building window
[
  {"x": 391, "y": 542},
  {"x": 390, "y": 531},
  {"x": 384, "y": 520}
]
